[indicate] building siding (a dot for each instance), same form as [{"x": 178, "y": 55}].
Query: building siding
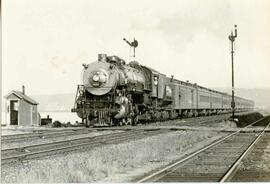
[
  {"x": 24, "y": 113},
  {"x": 35, "y": 119},
  {"x": 27, "y": 112}
]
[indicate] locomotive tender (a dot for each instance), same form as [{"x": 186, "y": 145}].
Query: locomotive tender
[{"x": 117, "y": 93}]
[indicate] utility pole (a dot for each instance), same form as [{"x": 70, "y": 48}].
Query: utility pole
[{"x": 232, "y": 39}]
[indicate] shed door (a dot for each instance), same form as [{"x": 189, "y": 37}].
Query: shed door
[{"x": 14, "y": 112}]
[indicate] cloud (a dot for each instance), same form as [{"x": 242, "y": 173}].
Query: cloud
[{"x": 49, "y": 40}]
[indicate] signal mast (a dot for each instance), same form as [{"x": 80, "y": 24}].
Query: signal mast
[
  {"x": 232, "y": 39},
  {"x": 133, "y": 44}
]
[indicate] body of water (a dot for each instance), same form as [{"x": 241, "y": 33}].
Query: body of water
[{"x": 63, "y": 117}]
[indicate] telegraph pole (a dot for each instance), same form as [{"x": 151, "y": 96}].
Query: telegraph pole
[{"x": 232, "y": 39}]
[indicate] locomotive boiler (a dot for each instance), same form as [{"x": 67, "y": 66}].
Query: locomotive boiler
[
  {"x": 114, "y": 92},
  {"x": 108, "y": 90}
]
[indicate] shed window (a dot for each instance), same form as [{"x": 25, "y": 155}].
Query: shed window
[{"x": 15, "y": 106}]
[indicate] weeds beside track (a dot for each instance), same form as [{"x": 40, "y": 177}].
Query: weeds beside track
[{"x": 216, "y": 162}]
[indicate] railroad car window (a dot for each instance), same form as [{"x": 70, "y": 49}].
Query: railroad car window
[
  {"x": 168, "y": 91},
  {"x": 155, "y": 80},
  {"x": 226, "y": 102},
  {"x": 216, "y": 99},
  {"x": 204, "y": 98}
]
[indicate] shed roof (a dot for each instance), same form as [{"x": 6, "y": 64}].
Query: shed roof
[{"x": 20, "y": 95}]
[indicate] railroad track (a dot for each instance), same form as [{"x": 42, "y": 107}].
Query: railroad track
[
  {"x": 47, "y": 134},
  {"x": 218, "y": 161},
  {"x": 39, "y": 150},
  {"x": 42, "y": 134},
  {"x": 197, "y": 121},
  {"x": 252, "y": 171}
]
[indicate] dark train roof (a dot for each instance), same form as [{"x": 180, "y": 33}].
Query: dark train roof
[
  {"x": 201, "y": 87},
  {"x": 195, "y": 84},
  {"x": 187, "y": 83}
]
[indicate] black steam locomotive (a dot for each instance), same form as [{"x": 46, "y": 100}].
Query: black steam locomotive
[{"x": 117, "y": 93}]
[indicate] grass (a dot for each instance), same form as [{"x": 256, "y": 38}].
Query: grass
[{"x": 108, "y": 163}]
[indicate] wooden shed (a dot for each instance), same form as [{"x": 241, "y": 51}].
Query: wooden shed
[{"x": 21, "y": 110}]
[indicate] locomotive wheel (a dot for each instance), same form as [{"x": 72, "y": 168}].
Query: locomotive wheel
[
  {"x": 120, "y": 123},
  {"x": 134, "y": 121},
  {"x": 110, "y": 122},
  {"x": 84, "y": 122},
  {"x": 129, "y": 121},
  {"x": 87, "y": 122},
  {"x": 125, "y": 121}
]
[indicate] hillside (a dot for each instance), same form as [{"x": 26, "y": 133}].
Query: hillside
[
  {"x": 261, "y": 96},
  {"x": 57, "y": 102},
  {"x": 64, "y": 102}
]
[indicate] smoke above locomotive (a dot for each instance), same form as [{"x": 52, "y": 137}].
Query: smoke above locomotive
[{"x": 116, "y": 93}]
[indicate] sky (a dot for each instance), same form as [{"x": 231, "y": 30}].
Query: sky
[{"x": 45, "y": 42}]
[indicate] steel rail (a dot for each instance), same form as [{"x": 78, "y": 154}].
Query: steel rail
[
  {"x": 230, "y": 173},
  {"x": 95, "y": 142},
  {"x": 69, "y": 132},
  {"x": 51, "y": 133},
  {"x": 64, "y": 141},
  {"x": 145, "y": 179},
  {"x": 56, "y": 133},
  {"x": 61, "y": 148},
  {"x": 31, "y": 135}
]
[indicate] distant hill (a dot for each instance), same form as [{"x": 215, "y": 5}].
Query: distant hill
[
  {"x": 57, "y": 102},
  {"x": 64, "y": 102},
  {"x": 261, "y": 96}
]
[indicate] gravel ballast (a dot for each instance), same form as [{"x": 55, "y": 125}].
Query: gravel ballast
[
  {"x": 54, "y": 139},
  {"x": 112, "y": 163}
]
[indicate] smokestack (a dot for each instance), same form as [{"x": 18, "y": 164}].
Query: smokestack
[{"x": 23, "y": 89}]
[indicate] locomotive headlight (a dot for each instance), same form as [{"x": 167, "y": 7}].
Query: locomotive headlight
[
  {"x": 102, "y": 78},
  {"x": 98, "y": 78}
]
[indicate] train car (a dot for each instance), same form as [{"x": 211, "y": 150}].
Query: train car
[{"x": 116, "y": 93}]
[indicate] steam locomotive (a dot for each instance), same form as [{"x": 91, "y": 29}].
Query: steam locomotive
[{"x": 116, "y": 93}]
